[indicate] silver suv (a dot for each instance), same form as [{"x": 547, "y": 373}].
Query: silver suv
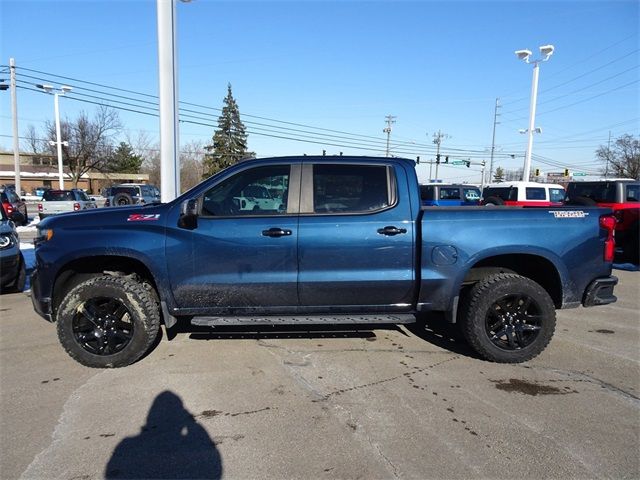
[{"x": 131, "y": 194}]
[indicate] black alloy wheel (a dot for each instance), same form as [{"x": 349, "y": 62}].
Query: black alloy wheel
[
  {"x": 513, "y": 322},
  {"x": 103, "y": 326}
]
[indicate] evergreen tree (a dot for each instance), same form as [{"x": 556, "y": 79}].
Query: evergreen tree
[
  {"x": 498, "y": 176},
  {"x": 229, "y": 140},
  {"x": 124, "y": 160}
]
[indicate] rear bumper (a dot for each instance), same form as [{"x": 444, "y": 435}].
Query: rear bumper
[{"x": 600, "y": 292}]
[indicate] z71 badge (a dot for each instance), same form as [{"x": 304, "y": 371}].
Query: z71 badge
[
  {"x": 568, "y": 214},
  {"x": 139, "y": 217}
]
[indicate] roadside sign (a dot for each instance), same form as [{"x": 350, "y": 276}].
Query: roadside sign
[
  {"x": 579, "y": 174},
  {"x": 459, "y": 162}
]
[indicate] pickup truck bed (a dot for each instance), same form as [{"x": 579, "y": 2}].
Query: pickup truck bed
[{"x": 349, "y": 243}]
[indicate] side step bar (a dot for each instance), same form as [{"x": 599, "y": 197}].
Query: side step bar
[{"x": 303, "y": 320}]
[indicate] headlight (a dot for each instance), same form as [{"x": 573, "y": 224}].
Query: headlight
[
  {"x": 44, "y": 235},
  {"x": 6, "y": 240}
]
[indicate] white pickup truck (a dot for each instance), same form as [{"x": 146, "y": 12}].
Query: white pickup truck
[{"x": 61, "y": 201}]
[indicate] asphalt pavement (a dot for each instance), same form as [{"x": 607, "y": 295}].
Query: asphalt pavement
[{"x": 389, "y": 402}]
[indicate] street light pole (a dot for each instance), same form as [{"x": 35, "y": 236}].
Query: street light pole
[
  {"x": 546, "y": 51},
  {"x": 56, "y": 107}
]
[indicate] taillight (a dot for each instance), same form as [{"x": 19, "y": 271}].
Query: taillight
[
  {"x": 8, "y": 208},
  {"x": 608, "y": 222},
  {"x": 106, "y": 203},
  {"x": 40, "y": 207},
  {"x": 76, "y": 207}
]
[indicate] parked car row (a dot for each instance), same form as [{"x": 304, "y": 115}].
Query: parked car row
[{"x": 62, "y": 201}]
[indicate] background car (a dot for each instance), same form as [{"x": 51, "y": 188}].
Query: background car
[
  {"x": 623, "y": 197},
  {"x": 14, "y": 206},
  {"x": 523, "y": 194},
  {"x": 449, "y": 195},
  {"x": 39, "y": 191},
  {"x": 62, "y": 201},
  {"x": 13, "y": 273},
  {"x": 131, "y": 194}
]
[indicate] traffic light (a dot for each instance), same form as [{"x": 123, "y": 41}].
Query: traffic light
[
  {"x": 566, "y": 172},
  {"x": 468, "y": 162},
  {"x": 446, "y": 159},
  {"x": 418, "y": 159},
  {"x": 438, "y": 159},
  {"x": 324, "y": 152},
  {"x": 537, "y": 173}
]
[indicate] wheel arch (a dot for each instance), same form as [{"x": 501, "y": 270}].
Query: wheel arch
[
  {"x": 536, "y": 267},
  {"x": 81, "y": 269}
]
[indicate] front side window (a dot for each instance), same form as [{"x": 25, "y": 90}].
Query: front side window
[
  {"x": 82, "y": 196},
  {"x": 258, "y": 191},
  {"x": 633, "y": 193},
  {"x": 556, "y": 195},
  {"x": 535, "y": 193},
  {"x": 350, "y": 188},
  {"x": 449, "y": 193}
]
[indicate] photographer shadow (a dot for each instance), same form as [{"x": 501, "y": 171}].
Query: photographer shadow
[{"x": 170, "y": 445}]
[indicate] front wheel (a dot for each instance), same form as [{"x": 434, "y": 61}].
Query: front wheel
[
  {"x": 108, "y": 321},
  {"x": 507, "y": 318}
]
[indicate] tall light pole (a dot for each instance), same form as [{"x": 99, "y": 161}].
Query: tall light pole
[
  {"x": 56, "y": 94},
  {"x": 390, "y": 119},
  {"x": 546, "y": 51}
]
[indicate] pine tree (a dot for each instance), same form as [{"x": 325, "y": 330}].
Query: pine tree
[
  {"x": 124, "y": 160},
  {"x": 498, "y": 176},
  {"x": 229, "y": 140}
]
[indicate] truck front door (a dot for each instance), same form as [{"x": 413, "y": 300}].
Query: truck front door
[{"x": 243, "y": 254}]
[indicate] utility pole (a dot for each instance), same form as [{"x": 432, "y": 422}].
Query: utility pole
[
  {"x": 390, "y": 119},
  {"x": 437, "y": 139},
  {"x": 14, "y": 116},
  {"x": 493, "y": 140},
  {"x": 606, "y": 165}
]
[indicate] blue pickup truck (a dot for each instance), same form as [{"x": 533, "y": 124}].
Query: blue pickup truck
[{"x": 345, "y": 240}]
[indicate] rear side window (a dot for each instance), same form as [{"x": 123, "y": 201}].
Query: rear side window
[
  {"x": 632, "y": 193},
  {"x": 350, "y": 188},
  {"x": 449, "y": 193},
  {"x": 426, "y": 192},
  {"x": 471, "y": 193},
  {"x": 505, "y": 193},
  {"x": 58, "y": 196},
  {"x": 133, "y": 191},
  {"x": 601, "y": 192},
  {"x": 535, "y": 193}
]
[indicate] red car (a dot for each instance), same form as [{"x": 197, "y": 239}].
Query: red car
[
  {"x": 14, "y": 206},
  {"x": 623, "y": 197}
]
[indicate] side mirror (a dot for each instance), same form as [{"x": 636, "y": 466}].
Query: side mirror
[{"x": 189, "y": 214}]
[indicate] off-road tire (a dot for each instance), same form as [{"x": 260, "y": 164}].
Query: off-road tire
[
  {"x": 475, "y": 310},
  {"x": 138, "y": 300},
  {"x": 492, "y": 201}
]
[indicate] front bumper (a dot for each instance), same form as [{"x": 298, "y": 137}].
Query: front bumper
[
  {"x": 600, "y": 292},
  {"x": 42, "y": 305}
]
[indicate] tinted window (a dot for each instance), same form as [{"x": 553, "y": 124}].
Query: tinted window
[
  {"x": 228, "y": 197},
  {"x": 449, "y": 193},
  {"x": 632, "y": 193},
  {"x": 505, "y": 193},
  {"x": 426, "y": 192},
  {"x": 534, "y": 193},
  {"x": 601, "y": 192},
  {"x": 82, "y": 196},
  {"x": 58, "y": 196},
  {"x": 349, "y": 188}
]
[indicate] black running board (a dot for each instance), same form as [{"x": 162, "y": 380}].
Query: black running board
[{"x": 304, "y": 320}]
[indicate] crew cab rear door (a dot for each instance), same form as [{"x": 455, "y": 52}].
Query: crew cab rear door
[{"x": 356, "y": 237}]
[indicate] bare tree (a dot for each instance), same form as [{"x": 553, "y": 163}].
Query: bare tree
[
  {"x": 191, "y": 164},
  {"x": 35, "y": 144},
  {"x": 90, "y": 141},
  {"x": 623, "y": 159}
]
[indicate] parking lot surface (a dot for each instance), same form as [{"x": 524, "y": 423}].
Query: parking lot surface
[{"x": 389, "y": 402}]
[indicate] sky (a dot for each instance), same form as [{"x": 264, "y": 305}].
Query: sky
[{"x": 310, "y": 76}]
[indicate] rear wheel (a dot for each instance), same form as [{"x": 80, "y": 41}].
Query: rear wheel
[
  {"x": 493, "y": 201},
  {"x": 507, "y": 318},
  {"x": 581, "y": 202},
  {"x": 122, "y": 199},
  {"x": 108, "y": 321}
]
